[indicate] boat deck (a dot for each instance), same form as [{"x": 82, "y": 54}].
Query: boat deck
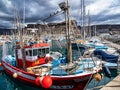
[{"x": 113, "y": 85}]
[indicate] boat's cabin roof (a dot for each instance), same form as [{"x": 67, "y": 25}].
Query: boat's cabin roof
[
  {"x": 37, "y": 49},
  {"x": 38, "y": 45}
]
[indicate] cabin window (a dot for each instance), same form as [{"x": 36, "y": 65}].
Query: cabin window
[
  {"x": 39, "y": 51},
  {"x": 26, "y": 53},
  {"x": 47, "y": 50},
  {"x": 90, "y": 41},
  {"x": 43, "y": 51},
  {"x": 35, "y": 52},
  {"x": 30, "y": 52}
]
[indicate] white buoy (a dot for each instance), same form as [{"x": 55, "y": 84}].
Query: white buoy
[
  {"x": 0, "y": 64},
  {"x": 15, "y": 75}
]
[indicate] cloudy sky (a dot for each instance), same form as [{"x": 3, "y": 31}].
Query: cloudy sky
[{"x": 100, "y": 11}]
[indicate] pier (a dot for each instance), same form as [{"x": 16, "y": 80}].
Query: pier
[{"x": 113, "y": 85}]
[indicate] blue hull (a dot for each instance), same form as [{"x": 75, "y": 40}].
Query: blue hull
[{"x": 106, "y": 57}]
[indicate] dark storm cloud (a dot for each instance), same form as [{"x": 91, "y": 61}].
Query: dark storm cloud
[
  {"x": 3, "y": 7},
  {"x": 34, "y": 10},
  {"x": 37, "y": 10},
  {"x": 102, "y": 18}
]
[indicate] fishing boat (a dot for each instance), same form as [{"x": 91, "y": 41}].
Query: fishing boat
[
  {"x": 97, "y": 43},
  {"x": 37, "y": 66},
  {"x": 108, "y": 55}
]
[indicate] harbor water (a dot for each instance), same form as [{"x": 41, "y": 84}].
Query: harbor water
[{"x": 7, "y": 83}]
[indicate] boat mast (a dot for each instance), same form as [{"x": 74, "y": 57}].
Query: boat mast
[
  {"x": 69, "y": 47},
  {"x": 89, "y": 28},
  {"x": 15, "y": 32},
  {"x": 21, "y": 40},
  {"x": 65, "y": 7},
  {"x": 83, "y": 18}
]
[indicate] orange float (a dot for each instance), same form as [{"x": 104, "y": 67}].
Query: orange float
[
  {"x": 97, "y": 77},
  {"x": 45, "y": 81}
]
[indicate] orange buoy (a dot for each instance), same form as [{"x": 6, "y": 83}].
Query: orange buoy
[
  {"x": 97, "y": 77},
  {"x": 45, "y": 81},
  {"x": 15, "y": 75},
  {"x": 37, "y": 81}
]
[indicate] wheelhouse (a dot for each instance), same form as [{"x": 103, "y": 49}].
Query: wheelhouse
[{"x": 34, "y": 55}]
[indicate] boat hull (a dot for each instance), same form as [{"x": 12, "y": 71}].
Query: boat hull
[{"x": 72, "y": 82}]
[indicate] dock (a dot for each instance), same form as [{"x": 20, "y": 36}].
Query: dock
[{"x": 113, "y": 85}]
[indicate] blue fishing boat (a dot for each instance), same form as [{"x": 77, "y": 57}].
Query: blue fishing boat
[{"x": 106, "y": 57}]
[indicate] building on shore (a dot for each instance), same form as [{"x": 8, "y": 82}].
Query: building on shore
[
  {"x": 59, "y": 28},
  {"x": 52, "y": 28},
  {"x": 109, "y": 28}
]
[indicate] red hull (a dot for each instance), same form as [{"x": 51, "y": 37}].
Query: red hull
[{"x": 75, "y": 82}]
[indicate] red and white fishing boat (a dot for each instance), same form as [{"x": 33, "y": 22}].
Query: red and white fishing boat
[
  {"x": 14, "y": 65},
  {"x": 35, "y": 65},
  {"x": 41, "y": 72}
]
